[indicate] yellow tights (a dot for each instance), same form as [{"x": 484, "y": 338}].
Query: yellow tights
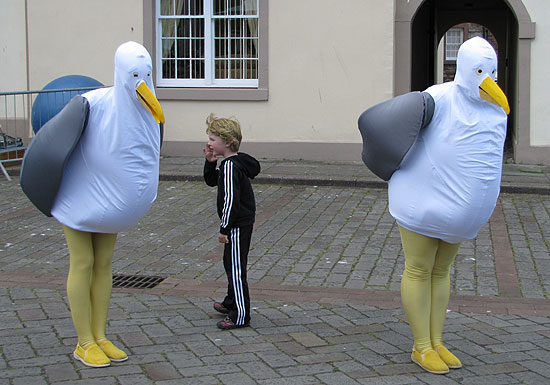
[
  {"x": 425, "y": 286},
  {"x": 90, "y": 282}
]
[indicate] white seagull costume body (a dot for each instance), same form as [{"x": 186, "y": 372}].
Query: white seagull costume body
[
  {"x": 448, "y": 183},
  {"x": 110, "y": 180}
]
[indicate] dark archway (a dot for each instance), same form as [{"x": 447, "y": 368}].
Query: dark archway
[
  {"x": 442, "y": 15},
  {"x": 419, "y": 26}
]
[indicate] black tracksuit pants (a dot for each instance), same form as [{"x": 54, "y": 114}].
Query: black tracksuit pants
[{"x": 235, "y": 259}]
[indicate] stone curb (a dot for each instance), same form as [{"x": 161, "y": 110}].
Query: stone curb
[{"x": 290, "y": 181}]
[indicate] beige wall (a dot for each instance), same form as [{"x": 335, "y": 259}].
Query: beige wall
[
  {"x": 12, "y": 46},
  {"x": 79, "y": 37},
  {"x": 328, "y": 61},
  {"x": 539, "y": 11}
]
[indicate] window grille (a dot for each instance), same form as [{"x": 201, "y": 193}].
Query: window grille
[
  {"x": 453, "y": 40},
  {"x": 207, "y": 43}
]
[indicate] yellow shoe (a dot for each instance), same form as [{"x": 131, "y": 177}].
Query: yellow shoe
[
  {"x": 449, "y": 358},
  {"x": 111, "y": 351},
  {"x": 430, "y": 362},
  {"x": 92, "y": 356}
]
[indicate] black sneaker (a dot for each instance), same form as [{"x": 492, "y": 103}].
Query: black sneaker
[
  {"x": 220, "y": 308},
  {"x": 227, "y": 324}
]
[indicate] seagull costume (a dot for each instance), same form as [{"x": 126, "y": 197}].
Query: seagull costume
[
  {"x": 444, "y": 180},
  {"x": 94, "y": 167}
]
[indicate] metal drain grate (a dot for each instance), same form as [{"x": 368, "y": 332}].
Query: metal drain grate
[{"x": 136, "y": 281}]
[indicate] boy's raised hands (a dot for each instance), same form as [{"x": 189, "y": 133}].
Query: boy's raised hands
[{"x": 209, "y": 153}]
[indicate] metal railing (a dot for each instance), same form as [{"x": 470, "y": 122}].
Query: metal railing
[{"x": 18, "y": 113}]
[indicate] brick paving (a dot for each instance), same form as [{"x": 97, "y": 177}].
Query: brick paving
[{"x": 324, "y": 270}]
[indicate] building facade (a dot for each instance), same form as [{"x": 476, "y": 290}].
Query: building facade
[{"x": 297, "y": 74}]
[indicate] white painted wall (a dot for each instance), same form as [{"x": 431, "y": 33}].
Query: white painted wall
[
  {"x": 13, "y": 55},
  {"x": 539, "y": 11},
  {"x": 79, "y": 37}
]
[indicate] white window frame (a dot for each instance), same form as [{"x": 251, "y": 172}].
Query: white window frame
[
  {"x": 453, "y": 45},
  {"x": 209, "y": 81}
]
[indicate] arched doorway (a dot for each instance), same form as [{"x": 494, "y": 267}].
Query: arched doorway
[{"x": 420, "y": 25}]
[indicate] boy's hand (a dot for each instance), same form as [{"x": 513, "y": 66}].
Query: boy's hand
[
  {"x": 222, "y": 238},
  {"x": 209, "y": 154}
]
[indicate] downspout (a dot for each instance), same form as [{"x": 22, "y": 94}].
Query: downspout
[
  {"x": 27, "y": 43},
  {"x": 29, "y": 97}
]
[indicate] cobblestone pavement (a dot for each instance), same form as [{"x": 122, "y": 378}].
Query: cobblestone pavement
[{"x": 325, "y": 269}]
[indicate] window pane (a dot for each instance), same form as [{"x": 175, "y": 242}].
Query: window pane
[
  {"x": 197, "y": 69},
  {"x": 183, "y": 27},
  {"x": 250, "y": 28},
  {"x": 221, "y": 69},
  {"x": 182, "y": 48},
  {"x": 197, "y": 48},
  {"x": 250, "y": 7},
  {"x": 166, "y": 7},
  {"x": 220, "y": 27},
  {"x": 235, "y": 69},
  {"x": 235, "y": 46},
  {"x": 236, "y": 27},
  {"x": 251, "y": 69},
  {"x": 235, "y": 7},
  {"x": 197, "y": 27},
  {"x": 250, "y": 48},
  {"x": 168, "y": 69},
  {"x": 195, "y": 7},
  {"x": 220, "y": 48},
  {"x": 219, "y": 7},
  {"x": 183, "y": 69},
  {"x": 168, "y": 27},
  {"x": 168, "y": 48}
]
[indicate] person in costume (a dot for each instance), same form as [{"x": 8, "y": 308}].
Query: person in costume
[
  {"x": 237, "y": 211},
  {"x": 99, "y": 182},
  {"x": 443, "y": 187}
]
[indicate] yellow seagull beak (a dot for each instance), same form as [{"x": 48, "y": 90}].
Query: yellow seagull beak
[
  {"x": 149, "y": 101},
  {"x": 491, "y": 92}
]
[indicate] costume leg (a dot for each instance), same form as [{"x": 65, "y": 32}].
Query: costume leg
[
  {"x": 416, "y": 284},
  {"x": 102, "y": 284},
  {"x": 102, "y": 281},
  {"x": 441, "y": 285},
  {"x": 79, "y": 282}
]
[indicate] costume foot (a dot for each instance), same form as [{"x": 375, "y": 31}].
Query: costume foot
[
  {"x": 111, "y": 351},
  {"x": 92, "y": 356},
  {"x": 449, "y": 358},
  {"x": 430, "y": 362},
  {"x": 220, "y": 308},
  {"x": 227, "y": 324}
]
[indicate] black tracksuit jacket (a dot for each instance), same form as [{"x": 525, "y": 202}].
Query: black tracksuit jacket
[{"x": 236, "y": 203}]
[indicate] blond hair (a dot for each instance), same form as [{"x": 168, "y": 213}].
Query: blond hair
[{"x": 228, "y": 129}]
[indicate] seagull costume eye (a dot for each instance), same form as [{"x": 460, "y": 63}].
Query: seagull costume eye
[
  {"x": 479, "y": 71},
  {"x": 136, "y": 74}
]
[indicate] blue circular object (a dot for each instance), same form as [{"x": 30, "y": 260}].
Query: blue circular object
[{"x": 48, "y": 104}]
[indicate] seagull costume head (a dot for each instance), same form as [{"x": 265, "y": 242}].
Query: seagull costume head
[
  {"x": 133, "y": 81},
  {"x": 476, "y": 72}
]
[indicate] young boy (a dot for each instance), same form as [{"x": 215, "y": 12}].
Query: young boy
[{"x": 236, "y": 209}]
